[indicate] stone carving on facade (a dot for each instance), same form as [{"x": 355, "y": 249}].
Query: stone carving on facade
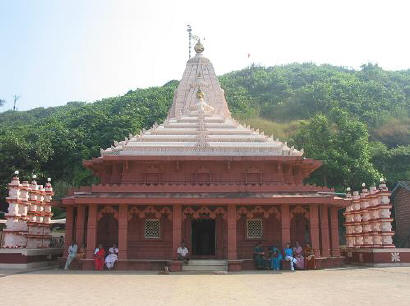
[
  {"x": 204, "y": 211},
  {"x": 148, "y": 211},
  {"x": 107, "y": 210},
  {"x": 299, "y": 210},
  {"x": 395, "y": 256},
  {"x": 250, "y": 213}
]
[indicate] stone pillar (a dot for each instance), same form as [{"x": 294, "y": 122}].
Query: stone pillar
[
  {"x": 68, "y": 239},
  {"x": 324, "y": 230},
  {"x": 176, "y": 229},
  {"x": 79, "y": 232},
  {"x": 123, "y": 232},
  {"x": 384, "y": 214},
  {"x": 91, "y": 231},
  {"x": 232, "y": 250},
  {"x": 285, "y": 224},
  {"x": 314, "y": 229},
  {"x": 334, "y": 223}
]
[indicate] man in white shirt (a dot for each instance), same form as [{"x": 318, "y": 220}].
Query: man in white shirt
[
  {"x": 183, "y": 253},
  {"x": 72, "y": 253}
]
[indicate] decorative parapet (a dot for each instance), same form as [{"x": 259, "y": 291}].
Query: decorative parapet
[
  {"x": 212, "y": 186},
  {"x": 368, "y": 218}
]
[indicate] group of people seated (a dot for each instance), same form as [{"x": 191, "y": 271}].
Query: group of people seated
[
  {"x": 272, "y": 258},
  {"x": 269, "y": 258},
  {"x": 100, "y": 257}
]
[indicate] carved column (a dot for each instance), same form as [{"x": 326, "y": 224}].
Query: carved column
[
  {"x": 123, "y": 232},
  {"x": 219, "y": 237},
  {"x": 285, "y": 224},
  {"x": 314, "y": 229},
  {"x": 176, "y": 229},
  {"x": 334, "y": 223},
  {"x": 91, "y": 231},
  {"x": 231, "y": 220},
  {"x": 79, "y": 232},
  {"x": 68, "y": 239},
  {"x": 324, "y": 229}
]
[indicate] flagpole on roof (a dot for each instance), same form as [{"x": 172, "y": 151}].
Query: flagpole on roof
[{"x": 189, "y": 30}]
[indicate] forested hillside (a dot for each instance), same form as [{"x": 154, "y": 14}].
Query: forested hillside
[{"x": 357, "y": 122}]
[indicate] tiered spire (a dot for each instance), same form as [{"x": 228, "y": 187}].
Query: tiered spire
[{"x": 200, "y": 123}]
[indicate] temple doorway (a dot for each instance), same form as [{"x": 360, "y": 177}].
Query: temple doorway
[{"x": 203, "y": 237}]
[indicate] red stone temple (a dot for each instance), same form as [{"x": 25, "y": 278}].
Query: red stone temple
[{"x": 203, "y": 178}]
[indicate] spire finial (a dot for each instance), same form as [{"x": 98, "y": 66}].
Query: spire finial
[{"x": 199, "y": 48}]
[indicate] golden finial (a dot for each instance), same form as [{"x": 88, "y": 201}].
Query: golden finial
[{"x": 199, "y": 48}]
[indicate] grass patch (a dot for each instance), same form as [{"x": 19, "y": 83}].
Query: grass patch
[{"x": 281, "y": 130}]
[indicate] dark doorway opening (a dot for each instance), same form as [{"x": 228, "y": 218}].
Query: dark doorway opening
[{"x": 203, "y": 237}]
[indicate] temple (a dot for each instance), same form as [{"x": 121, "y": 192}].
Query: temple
[{"x": 203, "y": 178}]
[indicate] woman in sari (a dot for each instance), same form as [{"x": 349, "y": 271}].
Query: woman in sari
[
  {"x": 298, "y": 253},
  {"x": 258, "y": 254},
  {"x": 310, "y": 262},
  {"x": 276, "y": 258},
  {"x": 99, "y": 258}
]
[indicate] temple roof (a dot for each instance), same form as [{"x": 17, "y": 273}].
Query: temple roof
[{"x": 200, "y": 123}]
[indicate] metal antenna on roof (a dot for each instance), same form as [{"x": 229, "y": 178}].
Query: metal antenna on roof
[{"x": 189, "y": 30}]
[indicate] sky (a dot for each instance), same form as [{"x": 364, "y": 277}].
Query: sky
[{"x": 56, "y": 51}]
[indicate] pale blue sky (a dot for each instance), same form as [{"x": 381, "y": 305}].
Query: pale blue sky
[{"x": 54, "y": 51}]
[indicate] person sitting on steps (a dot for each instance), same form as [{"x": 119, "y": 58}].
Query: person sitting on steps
[
  {"x": 288, "y": 251},
  {"x": 183, "y": 253},
  {"x": 72, "y": 253}
]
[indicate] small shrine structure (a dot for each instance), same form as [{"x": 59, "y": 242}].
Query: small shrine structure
[
  {"x": 203, "y": 178},
  {"x": 28, "y": 224},
  {"x": 369, "y": 234}
]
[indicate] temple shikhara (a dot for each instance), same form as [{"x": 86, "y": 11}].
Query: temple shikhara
[{"x": 202, "y": 178}]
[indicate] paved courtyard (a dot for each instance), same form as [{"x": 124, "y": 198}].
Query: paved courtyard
[{"x": 347, "y": 286}]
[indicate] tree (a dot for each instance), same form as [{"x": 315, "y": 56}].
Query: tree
[
  {"x": 394, "y": 163},
  {"x": 341, "y": 142},
  {"x": 2, "y": 102}
]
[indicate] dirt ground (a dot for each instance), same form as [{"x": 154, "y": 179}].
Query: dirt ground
[{"x": 346, "y": 286}]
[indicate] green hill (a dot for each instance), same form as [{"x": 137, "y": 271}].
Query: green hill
[{"x": 356, "y": 121}]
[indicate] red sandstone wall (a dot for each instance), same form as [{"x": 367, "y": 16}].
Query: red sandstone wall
[
  {"x": 201, "y": 171},
  {"x": 271, "y": 236},
  {"x": 141, "y": 248},
  {"x": 402, "y": 215}
]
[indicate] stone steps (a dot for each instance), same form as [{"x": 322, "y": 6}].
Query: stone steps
[{"x": 205, "y": 265}]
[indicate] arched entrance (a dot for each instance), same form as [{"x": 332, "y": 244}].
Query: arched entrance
[
  {"x": 203, "y": 230},
  {"x": 299, "y": 226},
  {"x": 107, "y": 227}
]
